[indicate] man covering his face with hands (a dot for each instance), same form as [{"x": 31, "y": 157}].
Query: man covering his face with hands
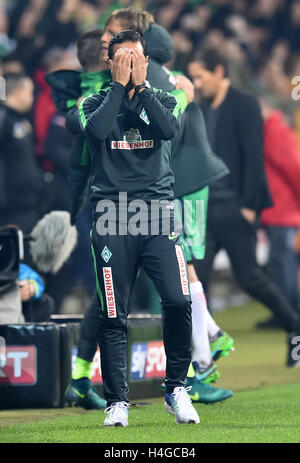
[
  {"x": 128, "y": 65},
  {"x": 129, "y": 127}
]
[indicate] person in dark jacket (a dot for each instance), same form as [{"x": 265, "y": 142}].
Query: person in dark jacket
[
  {"x": 195, "y": 166},
  {"x": 235, "y": 131},
  {"x": 129, "y": 128},
  {"x": 191, "y": 150},
  {"x": 20, "y": 177}
]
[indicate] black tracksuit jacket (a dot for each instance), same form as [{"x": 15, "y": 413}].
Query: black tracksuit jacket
[
  {"x": 129, "y": 143},
  {"x": 130, "y": 148}
]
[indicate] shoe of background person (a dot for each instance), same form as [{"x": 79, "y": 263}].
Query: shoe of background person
[
  {"x": 208, "y": 374},
  {"x": 80, "y": 393},
  {"x": 293, "y": 357},
  {"x": 268, "y": 324},
  {"x": 179, "y": 404},
  {"x": 221, "y": 345},
  {"x": 117, "y": 414},
  {"x": 206, "y": 394}
]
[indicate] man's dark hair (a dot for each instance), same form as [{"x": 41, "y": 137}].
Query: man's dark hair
[
  {"x": 126, "y": 36},
  {"x": 14, "y": 81},
  {"x": 210, "y": 58},
  {"x": 89, "y": 48}
]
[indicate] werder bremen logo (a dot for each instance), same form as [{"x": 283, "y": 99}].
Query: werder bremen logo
[
  {"x": 144, "y": 116},
  {"x": 132, "y": 135},
  {"x": 132, "y": 140},
  {"x": 106, "y": 254}
]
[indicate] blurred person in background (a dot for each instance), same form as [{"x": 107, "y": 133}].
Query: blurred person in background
[
  {"x": 41, "y": 25},
  {"x": 295, "y": 78},
  {"x": 12, "y": 64},
  {"x": 44, "y": 108},
  {"x": 182, "y": 50},
  {"x": 297, "y": 250},
  {"x": 37, "y": 306},
  {"x": 167, "y": 13},
  {"x": 21, "y": 178},
  {"x": 93, "y": 77},
  {"x": 274, "y": 80},
  {"x": 56, "y": 153},
  {"x": 282, "y": 220},
  {"x": 292, "y": 29},
  {"x": 53, "y": 147},
  {"x": 7, "y": 44},
  {"x": 60, "y": 23},
  {"x": 235, "y": 131},
  {"x": 25, "y": 18}
]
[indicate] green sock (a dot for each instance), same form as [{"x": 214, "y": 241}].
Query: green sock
[
  {"x": 191, "y": 372},
  {"x": 82, "y": 369}
]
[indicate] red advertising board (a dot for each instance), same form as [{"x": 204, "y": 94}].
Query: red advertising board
[
  {"x": 155, "y": 360},
  {"x": 18, "y": 365},
  {"x": 148, "y": 360}
]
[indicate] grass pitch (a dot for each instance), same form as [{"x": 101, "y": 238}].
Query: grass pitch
[{"x": 265, "y": 406}]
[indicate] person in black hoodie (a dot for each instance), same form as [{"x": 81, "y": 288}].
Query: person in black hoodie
[
  {"x": 20, "y": 177},
  {"x": 235, "y": 131}
]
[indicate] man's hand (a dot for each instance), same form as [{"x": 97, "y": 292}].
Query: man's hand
[
  {"x": 248, "y": 214},
  {"x": 121, "y": 66},
  {"x": 26, "y": 290},
  {"x": 79, "y": 101},
  {"x": 186, "y": 85},
  {"x": 139, "y": 67}
]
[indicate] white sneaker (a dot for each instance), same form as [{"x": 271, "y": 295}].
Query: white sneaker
[
  {"x": 180, "y": 405},
  {"x": 117, "y": 414}
]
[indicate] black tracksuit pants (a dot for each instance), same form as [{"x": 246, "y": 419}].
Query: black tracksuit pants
[
  {"x": 227, "y": 229},
  {"x": 89, "y": 331},
  {"x": 117, "y": 259}
]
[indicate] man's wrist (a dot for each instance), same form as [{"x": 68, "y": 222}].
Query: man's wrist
[
  {"x": 142, "y": 86},
  {"x": 119, "y": 84}
]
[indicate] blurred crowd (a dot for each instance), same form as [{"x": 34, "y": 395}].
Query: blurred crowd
[{"x": 260, "y": 40}]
